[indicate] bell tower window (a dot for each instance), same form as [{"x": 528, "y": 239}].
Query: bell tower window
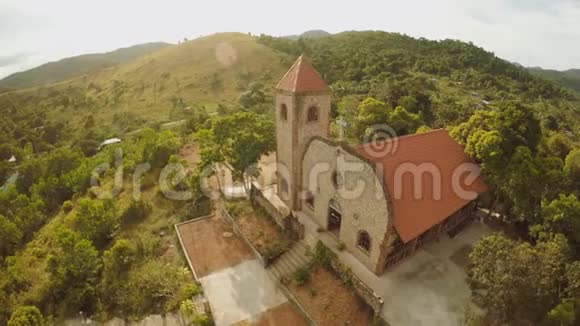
[
  {"x": 312, "y": 114},
  {"x": 283, "y": 185},
  {"x": 283, "y": 112}
]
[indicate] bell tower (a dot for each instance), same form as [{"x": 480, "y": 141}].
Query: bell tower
[{"x": 302, "y": 112}]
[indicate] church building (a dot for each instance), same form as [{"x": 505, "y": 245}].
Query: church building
[{"x": 381, "y": 200}]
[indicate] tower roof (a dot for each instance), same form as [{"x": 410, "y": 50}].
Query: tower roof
[{"x": 302, "y": 78}]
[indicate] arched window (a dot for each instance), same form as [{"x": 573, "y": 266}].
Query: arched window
[
  {"x": 336, "y": 179},
  {"x": 364, "y": 240},
  {"x": 309, "y": 199},
  {"x": 283, "y": 185},
  {"x": 312, "y": 114},
  {"x": 283, "y": 112}
]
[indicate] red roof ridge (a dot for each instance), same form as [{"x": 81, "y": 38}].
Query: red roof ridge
[
  {"x": 302, "y": 77},
  {"x": 426, "y": 133}
]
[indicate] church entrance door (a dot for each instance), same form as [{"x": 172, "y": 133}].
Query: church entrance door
[{"x": 334, "y": 218}]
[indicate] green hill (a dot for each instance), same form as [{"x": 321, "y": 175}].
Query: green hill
[
  {"x": 75, "y": 66},
  {"x": 567, "y": 78},
  {"x": 153, "y": 88},
  {"x": 443, "y": 82},
  {"x": 315, "y": 33}
]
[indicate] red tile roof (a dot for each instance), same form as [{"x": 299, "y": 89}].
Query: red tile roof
[
  {"x": 301, "y": 78},
  {"x": 412, "y": 214}
]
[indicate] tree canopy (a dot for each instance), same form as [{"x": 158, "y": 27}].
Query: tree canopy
[{"x": 238, "y": 140}]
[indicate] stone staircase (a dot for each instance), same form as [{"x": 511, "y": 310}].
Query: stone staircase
[{"x": 291, "y": 260}]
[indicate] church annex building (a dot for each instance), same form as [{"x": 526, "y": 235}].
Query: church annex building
[{"x": 382, "y": 200}]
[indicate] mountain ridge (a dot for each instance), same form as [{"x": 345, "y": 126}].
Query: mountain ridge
[
  {"x": 443, "y": 80},
  {"x": 66, "y": 68},
  {"x": 569, "y": 78},
  {"x": 311, "y": 34}
]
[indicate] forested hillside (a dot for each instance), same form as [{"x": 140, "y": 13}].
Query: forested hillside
[
  {"x": 76, "y": 66},
  {"x": 444, "y": 81},
  {"x": 204, "y": 75},
  {"x": 522, "y": 129},
  {"x": 568, "y": 78}
]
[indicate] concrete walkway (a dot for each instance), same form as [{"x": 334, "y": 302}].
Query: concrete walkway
[
  {"x": 428, "y": 288},
  {"x": 241, "y": 292}
]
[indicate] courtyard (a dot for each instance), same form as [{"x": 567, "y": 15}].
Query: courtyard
[
  {"x": 428, "y": 288},
  {"x": 237, "y": 286}
]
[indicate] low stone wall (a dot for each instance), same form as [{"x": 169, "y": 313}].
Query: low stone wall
[
  {"x": 258, "y": 198},
  {"x": 369, "y": 296},
  {"x": 293, "y": 228},
  {"x": 288, "y": 222}
]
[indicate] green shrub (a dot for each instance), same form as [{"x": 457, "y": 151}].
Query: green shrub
[
  {"x": 26, "y": 316},
  {"x": 187, "y": 309},
  {"x": 322, "y": 256},
  {"x": 96, "y": 221},
  {"x": 239, "y": 207},
  {"x": 119, "y": 259},
  {"x": 301, "y": 276},
  {"x": 345, "y": 274},
  {"x": 200, "y": 207},
  {"x": 136, "y": 212},
  {"x": 191, "y": 290},
  {"x": 203, "y": 320},
  {"x": 150, "y": 288},
  {"x": 275, "y": 250},
  {"x": 67, "y": 206},
  {"x": 10, "y": 236},
  {"x": 146, "y": 244}
]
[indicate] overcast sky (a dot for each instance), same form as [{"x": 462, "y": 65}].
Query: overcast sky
[{"x": 532, "y": 32}]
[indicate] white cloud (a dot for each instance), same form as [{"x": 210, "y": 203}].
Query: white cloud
[{"x": 532, "y": 32}]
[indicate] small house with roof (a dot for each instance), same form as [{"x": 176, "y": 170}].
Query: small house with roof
[{"x": 382, "y": 200}]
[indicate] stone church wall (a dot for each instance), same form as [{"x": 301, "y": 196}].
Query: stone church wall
[{"x": 366, "y": 211}]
